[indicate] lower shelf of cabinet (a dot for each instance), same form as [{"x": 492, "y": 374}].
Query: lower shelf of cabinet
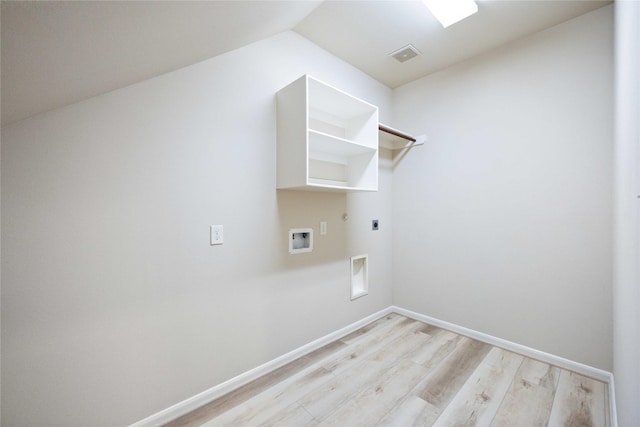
[
  {"x": 329, "y": 186},
  {"x": 328, "y": 182}
]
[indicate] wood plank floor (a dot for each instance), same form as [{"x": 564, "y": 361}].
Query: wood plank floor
[{"x": 400, "y": 372}]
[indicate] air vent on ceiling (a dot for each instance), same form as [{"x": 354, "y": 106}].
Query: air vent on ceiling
[{"x": 405, "y": 53}]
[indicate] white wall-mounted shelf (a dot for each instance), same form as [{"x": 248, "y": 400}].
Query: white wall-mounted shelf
[
  {"x": 327, "y": 140},
  {"x": 394, "y": 139}
]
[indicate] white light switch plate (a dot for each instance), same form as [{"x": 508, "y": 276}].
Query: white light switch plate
[
  {"x": 217, "y": 235},
  {"x": 323, "y": 228}
]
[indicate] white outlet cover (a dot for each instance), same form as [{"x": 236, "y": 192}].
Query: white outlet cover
[{"x": 217, "y": 235}]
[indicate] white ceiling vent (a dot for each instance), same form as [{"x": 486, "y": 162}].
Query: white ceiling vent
[{"x": 405, "y": 53}]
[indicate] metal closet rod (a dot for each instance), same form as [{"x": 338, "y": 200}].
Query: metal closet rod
[{"x": 395, "y": 132}]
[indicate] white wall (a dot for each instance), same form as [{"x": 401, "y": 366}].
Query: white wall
[
  {"x": 502, "y": 221},
  {"x": 626, "y": 291},
  {"x": 114, "y": 305}
]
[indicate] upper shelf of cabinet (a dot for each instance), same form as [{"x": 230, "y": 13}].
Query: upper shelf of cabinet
[
  {"x": 326, "y": 139},
  {"x": 323, "y": 145}
]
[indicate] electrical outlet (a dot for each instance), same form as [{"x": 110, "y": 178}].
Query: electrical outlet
[
  {"x": 375, "y": 224},
  {"x": 217, "y": 235}
]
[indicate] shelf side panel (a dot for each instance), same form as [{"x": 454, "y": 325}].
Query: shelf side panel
[{"x": 291, "y": 124}]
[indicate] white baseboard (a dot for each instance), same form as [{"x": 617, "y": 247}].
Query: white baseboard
[
  {"x": 612, "y": 402},
  {"x": 220, "y": 390},
  {"x": 234, "y": 383}
]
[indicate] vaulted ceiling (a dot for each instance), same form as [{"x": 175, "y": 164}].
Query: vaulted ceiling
[{"x": 55, "y": 53}]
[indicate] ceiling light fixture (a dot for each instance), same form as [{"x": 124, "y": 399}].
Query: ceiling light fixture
[{"x": 448, "y": 12}]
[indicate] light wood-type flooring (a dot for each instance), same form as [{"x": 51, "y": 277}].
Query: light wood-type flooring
[{"x": 401, "y": 372}]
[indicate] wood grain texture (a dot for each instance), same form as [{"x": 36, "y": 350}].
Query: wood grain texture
[
  {"x": 478, "y": 400},
  {"x": 398, "y": 371},
  {"x": 529, "y": 399},
  {"x": 378, "y": 398},
  {"x": 450, "y": 374},
  {"x": 579, "y": 401}
]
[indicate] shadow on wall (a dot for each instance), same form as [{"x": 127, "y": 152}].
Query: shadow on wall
[{"x": 305, "y": 209}]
